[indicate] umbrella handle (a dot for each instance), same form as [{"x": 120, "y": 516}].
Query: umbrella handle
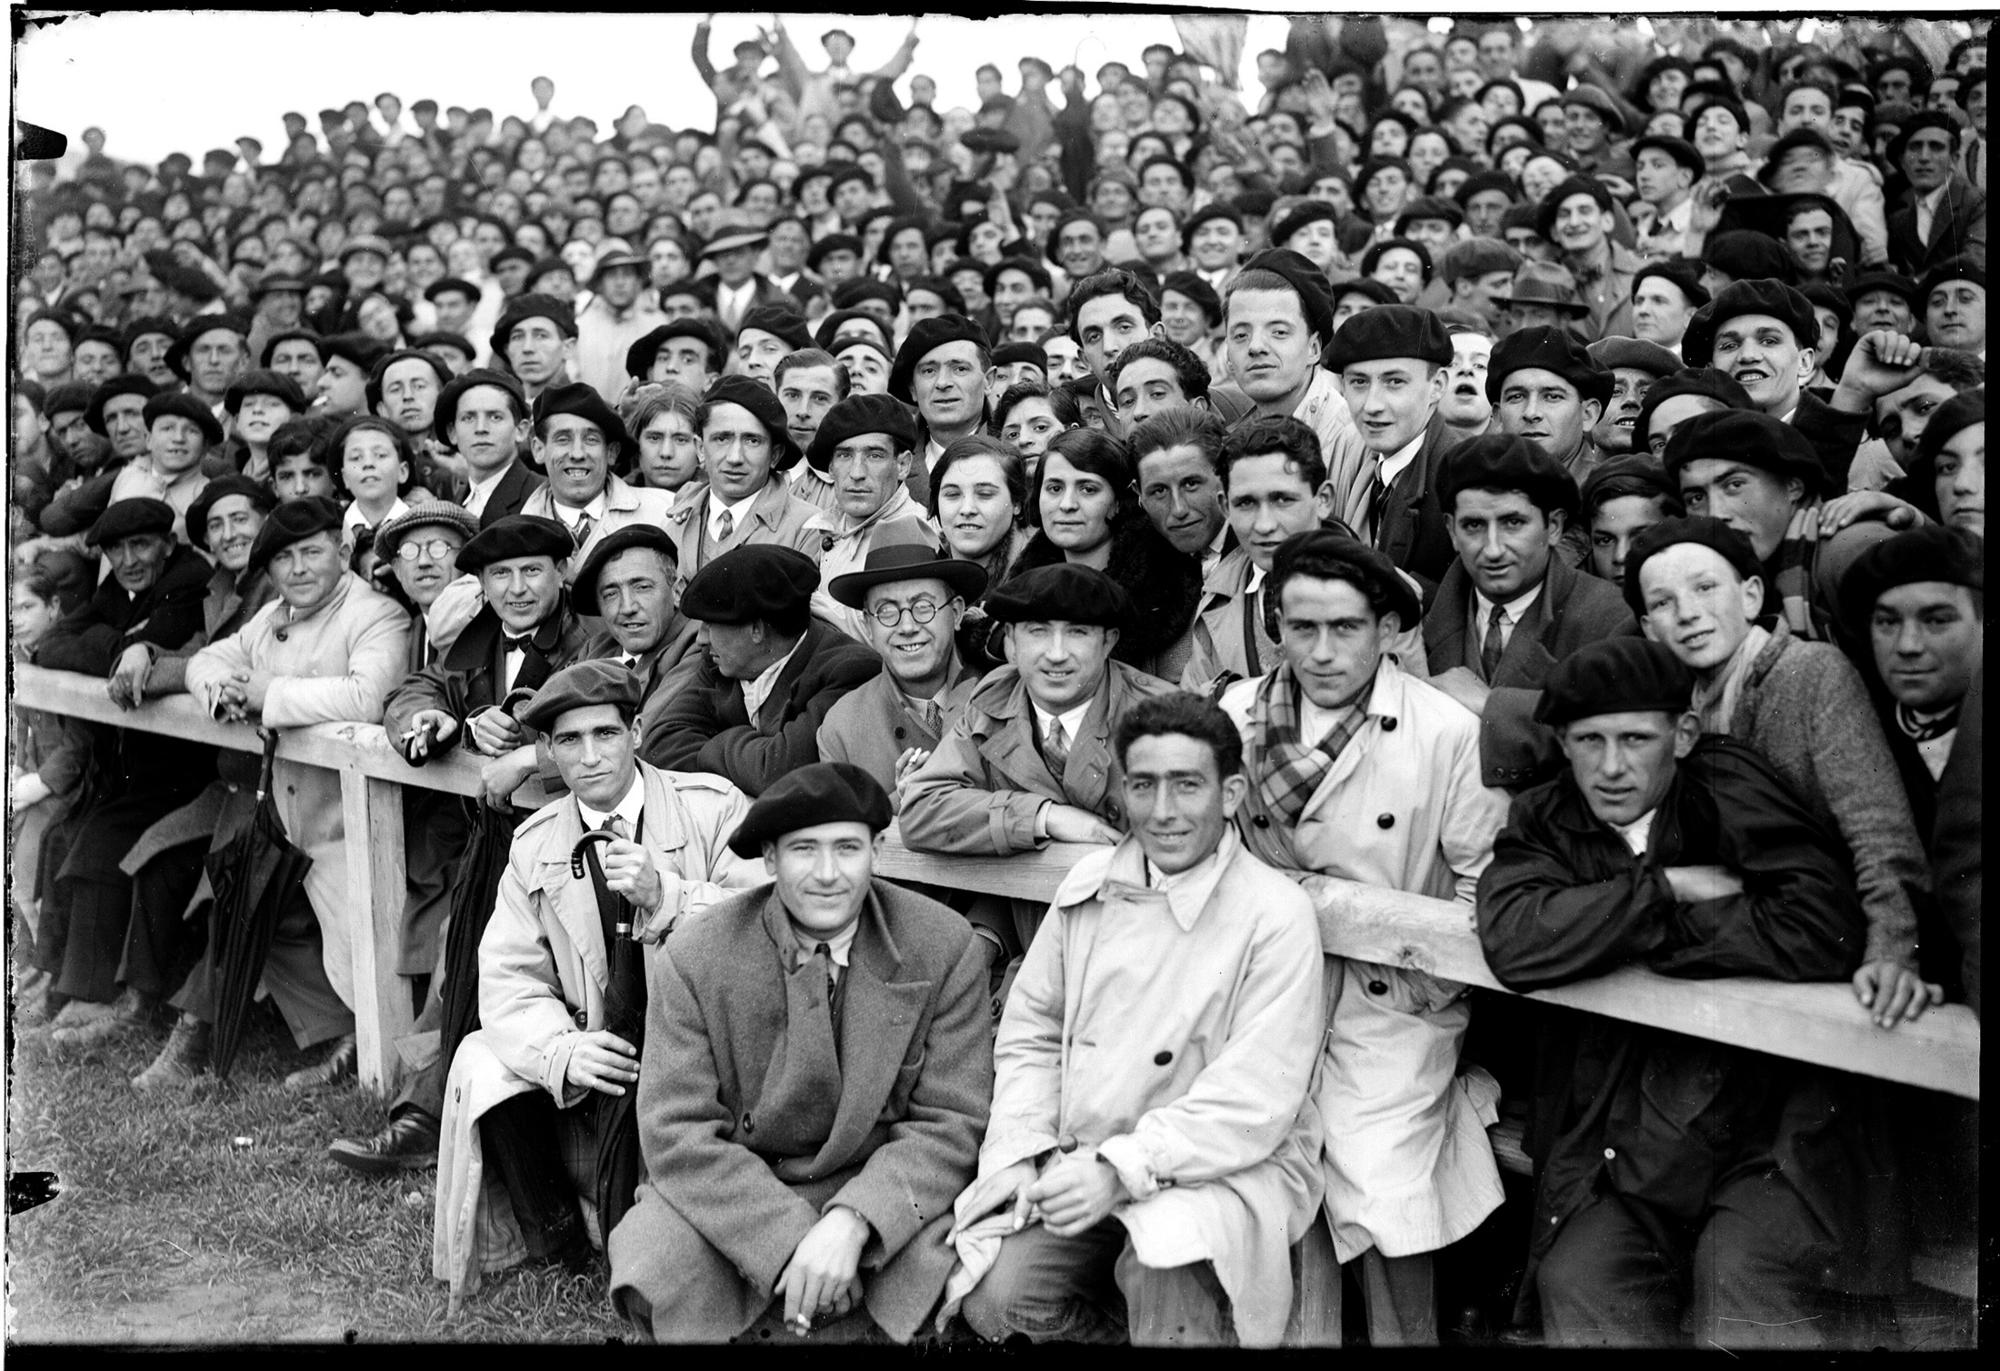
[
  {"x": 270, "y": 737},
  {"x": 623, "y": 927}
]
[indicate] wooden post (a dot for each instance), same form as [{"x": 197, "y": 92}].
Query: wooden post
[{"x": 372, "y": 812}]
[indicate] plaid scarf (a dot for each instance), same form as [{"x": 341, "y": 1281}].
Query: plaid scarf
[
  {"x": 1292, "y": 769},
  {"x": 1791, "y": 578}
]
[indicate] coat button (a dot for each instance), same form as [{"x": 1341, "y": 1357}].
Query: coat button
[
  {"x": 1066, "y": 1143},
  {"x": 1378, "y": 987},
  {"x": 1385, "y": 821},
  {"x": 1610, "y": 1153},
  {"x": 1162, "y": 1058},
  {"x": 899, "y": 733},
  {"x": 581, "y": 1018},
  {"x": 748, "y": 1127},
  {"x": 1388, "y": 725},
  {"x": 1262, "y": 821}
]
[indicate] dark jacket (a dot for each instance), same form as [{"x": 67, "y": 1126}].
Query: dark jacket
[
  {"x": 513, "y": 491},
  {"x": 1658, "y": 1115},
  {"x": 1958, "y": 228},
  {"x": 1573, "y": 609},
  {"x": 706, "y": 727},
  {"x": 467, "y": 678},
  {"x": 1957, "y": 839},
  {"x": 765, "y": 292},
  {"x": 1413, "y": 529}
]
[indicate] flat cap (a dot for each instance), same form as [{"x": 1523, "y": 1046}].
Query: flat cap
[
  {"x": 289, "y": 522},
  {"x": 1499, "y": 461},
  {"x": 516, "y": 535},
  {"x": 1389, "y": 331},
  {"x": 850, "y": 294},
  {"x": 859, "y": 414},
  {"x": 1635, "y": 353},
  {"x": 264, "y": 382},
  {"x": 894, "y": 562},
  {"x": 639, "y": 358},
  {"x": 446, "y": 284},
  {"x": 448, "y": 398},
  {"x": 597, "y": 681},
  {"x": 130, "y": 517},
  {"x": 615, "y": 258},
  {"x": 187, "y": 407},
  {"x": 525, "y": 307},
  {"x": 823, "y": 793},
  {"x": 765, "y": 408},
  {"x": 1750, "y": 437},
  {"x": 1310, "y": 283},
  {"x": 279, "y": 282},
  {"x": 781, "y": 322},
  {"x": 177, "y": 353},
  {"x": 583, "y": 590},
  {"x": 1728, "y": 543},
  {"x": 1718, "y": 386},
  {"x": 1477, "y": 257},
  {"x": 1545, "y": 283},
  {"x": 1548, "y": 349},
  {"x": 364, "y": 352},
  {"x": 1382, "y": 582},
  {"x": 752, "y": 582},
  {"x": 1620, "y": 675},
  {"x": 220, "y": 488},
  {"x": 1682, "y": 151},
  {"x": 1928, "y": 552},
  {"x": 584, "y": 402},
  {"x": 1065, "y": 591},
  {"x": 128, "y": 383},
  {"x": 391, "y": 532},
  {"x": 925, "y": 336}
]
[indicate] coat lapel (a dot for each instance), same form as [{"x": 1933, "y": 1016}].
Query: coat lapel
[
  {"x": 879, "y": 1016},
  {"x": 573, "y": 901},
  {"x": 1529, "y": 656}
]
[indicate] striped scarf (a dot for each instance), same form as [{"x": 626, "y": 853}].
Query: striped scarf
[
  {"x": 1791, "y": 578},
  {"x": 1293, "y": 769}
]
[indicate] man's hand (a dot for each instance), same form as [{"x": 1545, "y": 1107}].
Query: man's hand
[
  {"x": 1882, "y": 361},
  {"x": 1076, "y": 1194},
  {"x": 603, "y": 1061},
  {"x": 27, "y": 790},
  {"x": 1692, "y": 883},
  {"x": 1008, "y": 1187},
  {"x": 629, "y": 871},
  {"x": 907, "y": 764},
  {"x": 1319, "y": 95},
  {"x": 255, "y": 684},
  {"x": 1859, "y": 505},
  {"x": 823, "y": 1275},
  {"x": 1895, "y": 992},
  {"x": 494, "y": 731},
  {"x": 1069, "y": 824},
  {"x": 429, "y": 728},
  {"x": 1462, "y": 683},
  {"x": 501, "y": 777},
  {"x": 128, "y": 677}
]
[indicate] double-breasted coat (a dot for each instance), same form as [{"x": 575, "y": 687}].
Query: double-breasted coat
[{"x": 873, "y": 724}]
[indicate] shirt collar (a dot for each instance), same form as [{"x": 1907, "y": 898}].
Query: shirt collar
[
  {"x": 839, "y": 946},
  {"x": 629, "y": 809},
  {"x": 1072, "y": 719},
  {"x": 1188, "y": 892},
  {"x": 738, "y": 512},
  {"x": 567, "y": 516},
  {"x": 1515, "y": 607},
  {"x": 1392, "y": 465}
]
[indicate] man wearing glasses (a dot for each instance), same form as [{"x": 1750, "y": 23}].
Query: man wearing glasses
[{"x": 864, "y": 446}]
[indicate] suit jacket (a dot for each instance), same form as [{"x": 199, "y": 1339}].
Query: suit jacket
[
  {"x": 765, "y": 292},
  {"x": 873, "y": 726},
  {"x": 757, "y": 1113},
  {"x": 705, "y": 727},
  {"x": 1573, "y": 609},
  {"x": 1958, "y": 227},
  {"x": 986, "y": 779},
  {"x": 467, "y": 678},
  {"x": 1412, "y": 529},
  {"x": 513, "y": 491},
  {"x": 661, "y": 671}
]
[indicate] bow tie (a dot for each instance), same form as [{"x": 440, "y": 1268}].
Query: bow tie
[{"x": 520, "y": 644}]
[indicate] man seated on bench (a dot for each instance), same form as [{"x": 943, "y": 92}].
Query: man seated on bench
[
  {"x": 528, "y": 1089},
  {"x": 1679, "y": 1182},
  {"x": 817, "y": 1073},
  {"x": 1154, "y": 1184}
]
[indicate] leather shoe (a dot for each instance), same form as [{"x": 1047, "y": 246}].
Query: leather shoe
[
  {"x": 336, "y": 1065},
  {"x": 183, "y": 1058},
  {"x": 409, "y": 1143}
]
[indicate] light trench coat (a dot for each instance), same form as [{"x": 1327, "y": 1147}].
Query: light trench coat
[
  {"x": 1408, "y": 1165},
  {"x": 542, "y": 979},
  {"x": 1175, "y": 1033},
  {"x": 335, "y": 666}
]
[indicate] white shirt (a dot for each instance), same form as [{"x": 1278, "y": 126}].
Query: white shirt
[
  {"x": 731, "y": 304},
  {"x": 1927, "y": 208},
  {"x": 629, "y": 809},
  {"x": 352, "y": 521},
  {"x": 1392, "y": 466},
  {"x": 1482, "y": 613},
  {"x": 1071, "y": 720},
  {"x": 933, "y": 452},
  {"x": 757, "y": 691},
  {"x": 567, "y": 517},
  {"x": 1316, "y": 721},
  {"x": 479, "y": 492},
  {"x": 738, "y": 512},
  {"x": 1212, "y": 554},
  {"x": 1637, "y": 832}
]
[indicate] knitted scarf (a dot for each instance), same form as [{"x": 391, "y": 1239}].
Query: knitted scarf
[{"x": 1291, "y": 768}]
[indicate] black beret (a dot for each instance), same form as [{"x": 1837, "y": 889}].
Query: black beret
[
  {"x": 1389, "y": 331},
  {"x": 1548, "y": 349},
  {"x": 758, "y": 399},
  {"x": 1034, "y": 271},
  {"x": 1327, "y": 542},
  {"x": 130, "y": 517},
  {"x": 584, "y": 402},
  {"x": 1499, "y": 461},
  {"x": 1486, "y": 180},
  {"x": 1925, "y": 553},
  {"x": 831, "y": 243},
  {"x": 262, "y": 382},
  {"x": 1065, "y": 591},
  {"x": 129, "y": 383},
  {"x": 831, "y": 327},
  {"x": 1545, "y": 213},
  {"x": 364, "y": 352},
  {"x": 989, "y": 140},
  {"x": 1007, "y": 354},
  {"x": 177, "y": 354},
  {"x": 752, "y": 582},
  {"x": 513, "y": 252},
  {"x": 1429, "y": 207},
  {"x": 849, "y": 294},
  {"x": 1947, "y": 421},
  {"x": 1199, "y": 291},
  {"x": 1718, "y": 386},
  {"x": 448, "y": 398},
  {"x": 450, "y": 283},
  {"x": 61, "y": 318},
  {"x": 1792, "y": 142},
  {"x": 1635, "y": 353},
  {"x": 515, "y": 535},
  {"x": 1619, "y": 675},
  {"x": 844, "y": 172},
  {"x": 597, "y": 681},
  {"x": 289, "y": 522},
  {"x": 781, "y": 322},
  {"x": 1955, "y": 269},
  {"x": 894, "y": 562},
  {"x": 146, "y": 324},
  {"x": 1684, "y": 275},
  {"x": 583, "y": 591},
  {"x": 1682, "y": 151},
  {"x": 1640, "y": 470},
  {"x": 639, "y": 358},
  {"x": 1208, "y": 214},
  {"x": 524, "y": 307},
  {"x": 1881, "y": 278},
  {"x": 823, "y": 793},
  {"x": 859, "y": 414},
  {"x": 1748, "y": 436},
  {"x": 1922, "y": 119},
  {"x": 543, "y": 267},
  {"x": 220, "y": 488},
  {"x": 1730, "y": 544},
  {"x": 925, "y": 336},
  {"x": 292, "y": 335},
  {"x": 187, "y": 407},
  {"x": 1746, "y": 255},
  {"x": 67, "y": 398},
  {"x": 1380, "y": 292},
  {"x": 1310, "y": 283}
]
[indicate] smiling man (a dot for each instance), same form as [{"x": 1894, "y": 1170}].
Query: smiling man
[
  {"x": 1635, "y": 367},
  {"x": 260, "y": 402},
  {"x": 746, "y": 446},
  {"x": 484, "y": 417},
  {"x": 864, "y": 445},
  {"x": 1277, "y": 319},
  {"x": 180, "y": 430},
  {"x": 1576, "y": 216},
  {"x": 584, "y": 448},
  {"x": 941, "y": 370}
]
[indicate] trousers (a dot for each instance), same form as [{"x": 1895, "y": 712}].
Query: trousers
[{"x": 1092, "y": 1288}]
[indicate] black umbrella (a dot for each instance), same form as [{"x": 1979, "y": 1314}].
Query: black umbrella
[
  {"x": 475, "y": 888},
  {"x": 254, "y": 875},
  {"x": 618, "y": 1165}
]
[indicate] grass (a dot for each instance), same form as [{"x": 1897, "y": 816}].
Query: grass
[{"x": 165, "y": 1232}]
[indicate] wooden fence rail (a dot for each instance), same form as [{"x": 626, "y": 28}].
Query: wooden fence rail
[{"x": 1818, "y": 1023}]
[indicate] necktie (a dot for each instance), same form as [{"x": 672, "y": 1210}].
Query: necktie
[
  {"x": 933, "y": 717},
  {"x": 1378, "y": 491},
  {"x": 725, "y": 524},
  {"x": 630, "y": 661},
  {"x": 1056, "y": 750},
  {"x": 581, "y": 529},
  {"x": 823, "y": 959},
  {"x": 520, "y": 644},
  {"x": 1489, "y": 651}
]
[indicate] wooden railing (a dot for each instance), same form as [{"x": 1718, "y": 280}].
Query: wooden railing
[{"x": 1818, "y": 1023}]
